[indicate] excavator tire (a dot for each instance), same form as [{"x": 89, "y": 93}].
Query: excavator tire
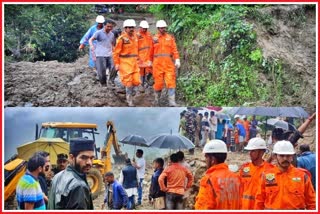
[{"x": 95, "y": 182}]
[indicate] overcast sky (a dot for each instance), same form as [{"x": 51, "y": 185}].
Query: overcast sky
[{"x": 19, "y": 123}]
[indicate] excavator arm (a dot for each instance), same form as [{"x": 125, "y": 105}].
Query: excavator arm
[{"x": 111, "y": 140}]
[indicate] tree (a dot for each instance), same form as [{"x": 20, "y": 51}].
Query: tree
[{"x": 45, "y": 32}]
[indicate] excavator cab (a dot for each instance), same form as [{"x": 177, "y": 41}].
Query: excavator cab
[{"x": 54, "y": 137}]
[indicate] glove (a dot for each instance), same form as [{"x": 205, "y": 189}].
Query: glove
[
  {"x": 81, "y": 47},
  {"x": 149, "y": 64},
  {"x": 177, "y": 63}
]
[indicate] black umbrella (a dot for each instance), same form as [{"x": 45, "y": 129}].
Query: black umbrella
[
  {"x": 134, "y": 140},
  {"x": 170, "y": 141},
  {"x": 281, "y": 124}
]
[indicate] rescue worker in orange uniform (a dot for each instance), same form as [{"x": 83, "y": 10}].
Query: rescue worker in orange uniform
[
  {"x": 284, "y": 186},
  {"x": 125, "y": 58},
  {"x": 246, "y": 124},
  {"x": 250, "y": 173},
  {"x": 219, "y": 188},
  {"x": 165, "y": 62},
  {"x": 144, "y": 52}
]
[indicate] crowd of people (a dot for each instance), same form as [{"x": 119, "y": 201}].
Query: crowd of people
[
  {"x": 134, "y": 55},
  {"x": 201, "y": 128},
  {"x": 258, "y": 184},
  {"x": 284, "y": 180}
]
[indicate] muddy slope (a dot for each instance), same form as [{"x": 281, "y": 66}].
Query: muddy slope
[{"x": 290, "y": 38}]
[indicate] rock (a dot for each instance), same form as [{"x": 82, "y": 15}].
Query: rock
[{"x": 192, "y": 163}]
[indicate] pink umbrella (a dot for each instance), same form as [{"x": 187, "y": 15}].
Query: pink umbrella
[{"x": 214, "y": 108}]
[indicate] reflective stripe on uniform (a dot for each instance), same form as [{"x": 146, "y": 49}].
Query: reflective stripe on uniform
[
  {"x": 147, "y": 47},
  {"x": 249, "y": 197},
  {"x": 158, "y": 55},
  {"x": 128, "y": 55}
]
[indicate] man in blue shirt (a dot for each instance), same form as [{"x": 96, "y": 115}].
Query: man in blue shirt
[
  {"x": 116, "y": 196},
  {"x": 242, "y": 132},
  {"x": 307, "y": 160},
  {"x": 103, "y": 50},
  {"x": 85, "y": 39},
  {"x": 28, "y": 192},
  {"x": 156, "y": 196}
]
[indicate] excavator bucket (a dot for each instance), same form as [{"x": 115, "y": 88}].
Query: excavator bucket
[
  {"x": 119, "y": 159},
  {"x": 111, "y": 139}
]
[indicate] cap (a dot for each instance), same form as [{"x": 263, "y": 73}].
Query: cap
[
  {"x": 81, "y": 144},
  {"x": 62, "y": 156}
]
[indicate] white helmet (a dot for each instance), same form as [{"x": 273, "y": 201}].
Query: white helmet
[
  {"x": 100, "y": 19},
  {"x": 215, "y": 146},
  {"x": 144, "y": 24},
  {"x": 129, "y": 23},
  {"x": 256, "y": 143},
  {"x": 236, "y": 116},
  {"x": 161, "y": 23},
  {"x": 283, "y": 147}
]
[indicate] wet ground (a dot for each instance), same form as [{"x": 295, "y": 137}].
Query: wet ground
[{"x": 65, "y": 84}]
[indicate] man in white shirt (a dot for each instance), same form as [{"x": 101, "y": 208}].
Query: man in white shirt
[
  {"x": 213, "y": 122},
  {"x": 140, "y": 165}
]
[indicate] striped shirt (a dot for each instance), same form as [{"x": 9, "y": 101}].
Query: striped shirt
[{"x": 29, "y": 191}]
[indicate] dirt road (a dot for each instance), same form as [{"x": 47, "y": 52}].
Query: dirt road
[{"x": 64, "y": 84}]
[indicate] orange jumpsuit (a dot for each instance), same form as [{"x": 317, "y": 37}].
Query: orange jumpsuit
[
  {"x": 287, "y": 190},
  {"x": 219, "y": 189},
  {"x": 144, "y": 52},
  {"x": 164, "y": 53},
  {"x": 125, "y": 55},
  {"x": 246, "y": 125},
  {"x": 250, "y": 178}
]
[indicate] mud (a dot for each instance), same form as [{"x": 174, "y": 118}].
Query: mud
[
  {"x": 287, "y": 39},
  {"x": 53, "y": 83},
  {"x": 291, "y": 39},
  {"x": 61, "y": 84}
]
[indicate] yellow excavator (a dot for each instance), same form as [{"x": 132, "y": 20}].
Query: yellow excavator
[
  {"x": 103, "y": 165},
  {"x": 53, "y": 137}
]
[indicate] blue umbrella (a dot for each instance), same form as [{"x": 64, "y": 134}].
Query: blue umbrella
[{"x": 271, "y": 111}]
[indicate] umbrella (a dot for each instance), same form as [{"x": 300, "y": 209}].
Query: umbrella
[
  {"x": 271, "y": 111},
  {"x": 53, "y": 146},
  {"x": 195, "y": 108},
  {"x": 170, "y": 141},
  {"x": 134, "y": 140},
  {"x": 222, "y": 116},
  {"x": 214, "y": 108},
  {"x": 281, "y": 124}
]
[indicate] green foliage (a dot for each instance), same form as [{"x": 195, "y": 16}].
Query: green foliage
[
  {"x": 193, "y": 87},
  {"x": 230, "y": 76},
  {"x": 256, "y": 55},
  {"x": 45, "y": 32},
  {"x": 274, "y": 68}
]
